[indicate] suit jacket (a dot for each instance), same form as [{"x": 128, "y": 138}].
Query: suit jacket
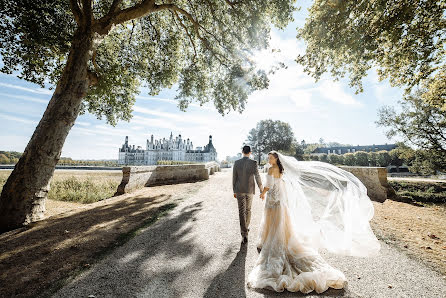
[{"x": 243, "y": 173}]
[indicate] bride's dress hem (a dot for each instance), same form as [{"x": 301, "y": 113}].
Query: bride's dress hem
[{"x": 305, "y": 282}]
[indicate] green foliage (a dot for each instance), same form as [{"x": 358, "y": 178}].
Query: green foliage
[
  {"x": 314, "y": 157},
  {"x": 9, "y": 157},
  {"x": 323, "y": 157},
  {"x": 372, "y": 157},
  {"x": 309, "y": 148},
  {"x": 12, "y": 157},
  {"x": 335, "y": 159},
  {"x": 404, "y": 40},
  {"x": 422, "y": 125},
  {"x": 204, "y": 48},
  {"x": 418, "y": 123},
  {"x": 349, "y": 159},
  {"x": 299, "y": 153},
  {"x": 361, "y": 158},
  {"x": 383, "y": 158},
  {"x": 421, "y": 191},
  {"x": 271, "y": 135},
  {"x": 395, "y": 159}
]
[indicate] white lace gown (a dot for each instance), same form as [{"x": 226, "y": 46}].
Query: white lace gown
[{"x": 286, "y": 262}]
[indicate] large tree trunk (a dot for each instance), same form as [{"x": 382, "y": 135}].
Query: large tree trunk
[{"x": 23, "y": 196}]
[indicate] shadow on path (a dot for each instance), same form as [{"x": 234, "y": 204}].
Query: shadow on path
[
  {"x": 148, "y": 266},
  {"x": 230, "y": 283}
]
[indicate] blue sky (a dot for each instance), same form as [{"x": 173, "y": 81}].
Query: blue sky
[{"x": 327, "y": 109}]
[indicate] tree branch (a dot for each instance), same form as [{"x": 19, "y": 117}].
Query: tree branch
[
  {"x": 77, "y": 13},
  {"x": 120, "y": 16},
  {"x": 187, "y": 32},
  {"x": 87, "y": 12},
  {"x": 144, "y": 8},
  {"x": 114, "y": 7}
]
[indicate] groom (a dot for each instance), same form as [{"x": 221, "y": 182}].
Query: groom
[{"x": 243, "y": 173}]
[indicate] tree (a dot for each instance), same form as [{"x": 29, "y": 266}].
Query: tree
[
  {"x": 418, "y": 123},
  {"x": 270, "y": 135},
  {"x": 323, "y": 157},
  {"x": 300, "y": 151},
  {"x": 361, "y": 158},
  {"x": 383, "y": 158},
  {"x": 322, "y": 142},
  {"x": 309, "y": 148},
  {"x": 314, "y": 157},
  {"x": 333, "y": 159},
  {"x": 403, "y": 40},
  {"x": 424, "y": 162},
  {"x": 349, "y": 159},
  {"x": 372, "y": 156},
  {"x": 395, "y": 159},
  {"x": 3, "y": 159},
  {"x": 98, "y": 53}
]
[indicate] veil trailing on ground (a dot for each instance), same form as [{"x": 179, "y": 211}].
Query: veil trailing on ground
[{"x": 328, "y": 207}]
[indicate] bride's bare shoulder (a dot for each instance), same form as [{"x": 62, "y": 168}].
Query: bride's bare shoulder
[
  {"x": 270, "y": 171},
  {"x": 275, "y": 172}
]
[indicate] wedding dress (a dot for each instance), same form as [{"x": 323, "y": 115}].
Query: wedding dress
[{"x": 312, "y": 206}]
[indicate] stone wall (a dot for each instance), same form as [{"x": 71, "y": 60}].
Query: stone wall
[
  {"x": 375, "y": 179},
  {"x": 135, "y": 177}
]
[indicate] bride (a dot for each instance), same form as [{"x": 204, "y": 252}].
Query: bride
[{"x": 310, "y": 205}]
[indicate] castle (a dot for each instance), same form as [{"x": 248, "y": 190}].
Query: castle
[{"x": 176, "y": 149}]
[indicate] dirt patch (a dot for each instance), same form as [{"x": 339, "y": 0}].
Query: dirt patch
[
  {"x": 39, "y": 259},
  {"x": 417, "y": 230}
]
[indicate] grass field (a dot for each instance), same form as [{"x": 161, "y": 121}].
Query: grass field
[{"x": 79, "y": 186}]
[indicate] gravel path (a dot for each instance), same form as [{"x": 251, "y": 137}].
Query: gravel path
[{"x": 195, "y": 252}]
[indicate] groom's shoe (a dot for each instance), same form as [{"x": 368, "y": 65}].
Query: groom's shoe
[{"x": 245, "y": 240}]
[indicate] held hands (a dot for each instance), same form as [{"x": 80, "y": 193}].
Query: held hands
[
  {"x": 235, "y": 196},
  {"x": 262, "y": 196}
]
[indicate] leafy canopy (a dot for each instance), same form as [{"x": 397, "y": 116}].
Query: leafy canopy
[
  {"x": 271, "y": 135},
  {"x": 204, "y": 47},
  {"x": 418, "y": 123},
  {"x": 404, "y": 40}
]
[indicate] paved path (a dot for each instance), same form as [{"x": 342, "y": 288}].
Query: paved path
[{"x": 195, "y": 252}]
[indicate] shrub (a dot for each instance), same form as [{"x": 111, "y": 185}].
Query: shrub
[{"x": 361, "y": 158}]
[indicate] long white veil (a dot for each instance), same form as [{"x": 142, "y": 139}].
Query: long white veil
[{"x": 328, "y": 207}]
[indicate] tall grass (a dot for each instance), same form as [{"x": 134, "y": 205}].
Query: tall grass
[
  {"x": 424, "y": 192},
  {"x": 83, "y": 187}
]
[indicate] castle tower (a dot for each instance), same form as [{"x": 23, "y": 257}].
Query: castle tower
[{"x": 126, "y": 141}]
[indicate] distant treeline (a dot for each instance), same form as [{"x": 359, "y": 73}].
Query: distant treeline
[
  {"x": 12, "y": 157},
  {"x": 360, "y": 158}
]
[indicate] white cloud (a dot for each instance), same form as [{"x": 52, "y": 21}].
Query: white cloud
[
  {"x": 22, "y": 120},
  {"x": 206, "y": 106},
  {"x": 83, "y": 123},
  {"x": 333, "y": 91},
  {"x": 152, "y": 123},
  {"x": 32, "y": 90},
  {"x": 27, "y": 98}
]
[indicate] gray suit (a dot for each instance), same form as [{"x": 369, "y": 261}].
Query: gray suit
[{"x": 243, "y": 173}]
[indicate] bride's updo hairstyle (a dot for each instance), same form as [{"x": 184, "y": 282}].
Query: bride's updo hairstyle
[{"x": 279, "y": 163}]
